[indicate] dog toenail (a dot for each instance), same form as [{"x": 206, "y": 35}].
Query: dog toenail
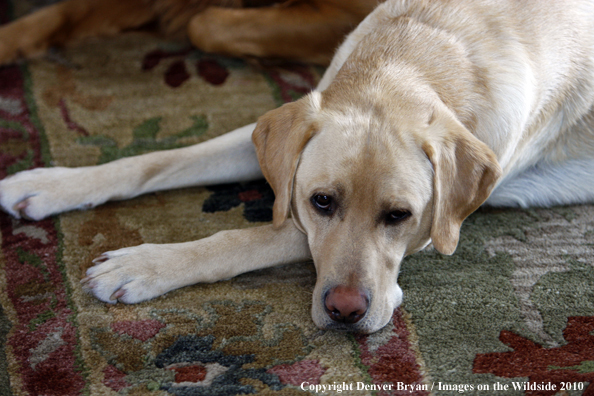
[
  {"x": 101, "y": 259},
  {"x": 118, "y": 294}
]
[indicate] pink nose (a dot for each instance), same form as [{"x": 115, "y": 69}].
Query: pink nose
[{"x": 346, "y": 304}]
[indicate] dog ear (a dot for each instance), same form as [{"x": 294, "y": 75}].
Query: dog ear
[
  {"x": 280, "y": 137},
  {"x": 465, "y": 172}
]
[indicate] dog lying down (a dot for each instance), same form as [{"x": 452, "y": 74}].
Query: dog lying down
[
  {"x": 303, "y": 30},
  {"x": 428, "y": 110}
]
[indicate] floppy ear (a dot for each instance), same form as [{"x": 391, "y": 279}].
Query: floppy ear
[
  {"x": 279, "y": 138},
  {"x": 465, "y": 172}
]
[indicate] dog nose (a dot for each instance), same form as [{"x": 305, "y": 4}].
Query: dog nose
[{"x": 346, "y": 304}]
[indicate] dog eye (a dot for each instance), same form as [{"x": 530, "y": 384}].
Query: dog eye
[
  {"x": 397, "y": 216},
  {"x": 322, "y": 202}
]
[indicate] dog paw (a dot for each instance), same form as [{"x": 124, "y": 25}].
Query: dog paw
[
  {"x": 7, "y": 53},
  {"x": 10, "y": 48},
  {"x": 41, "y": 192},
  {"x": 24, "y": 38},
  {"x": 129, "y": 275}
]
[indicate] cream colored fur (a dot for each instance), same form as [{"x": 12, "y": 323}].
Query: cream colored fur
[{"x": 429, "y": 108}]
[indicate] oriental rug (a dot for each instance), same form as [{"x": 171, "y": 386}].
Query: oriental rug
[{"x": 510, "y": 313}]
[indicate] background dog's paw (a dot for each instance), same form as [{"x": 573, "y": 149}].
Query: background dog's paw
[
  {"x": 39, "y": 193},
  {"x": 128, "y": 275},
  {"x": 15, "y": 43},
  {"x": 26, "y": 37},
  {"x": 8, "y": 53}
]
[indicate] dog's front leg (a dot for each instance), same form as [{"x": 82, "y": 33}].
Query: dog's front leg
[
  {"x": 41, "y": 192},
  {"x": 139, "y": 273}
]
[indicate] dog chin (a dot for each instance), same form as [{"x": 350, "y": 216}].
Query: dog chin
[
  {"x": 396, "y": 297},
  {"x": 365, "y": 326}
]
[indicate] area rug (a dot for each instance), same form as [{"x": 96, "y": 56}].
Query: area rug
[{"x": 510, "y": 313}]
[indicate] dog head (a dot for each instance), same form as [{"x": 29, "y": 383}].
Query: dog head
[{"x": 370, "y": 186}]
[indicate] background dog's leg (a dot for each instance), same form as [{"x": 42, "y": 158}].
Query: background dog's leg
[
  {"x": 300, "y": 30},
  {"x": 41, "y": 192},
  {"x": 548, "y": 184},
  {"x": 563, "y": 177},
  {"x": 143, "y": 272},
  {"x": 69, "y": 21}
]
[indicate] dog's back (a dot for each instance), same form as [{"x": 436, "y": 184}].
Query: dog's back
[{"x": 518, "y": 74}]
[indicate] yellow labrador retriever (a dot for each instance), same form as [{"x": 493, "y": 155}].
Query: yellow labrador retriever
[{"x": 428, "y": 109}]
